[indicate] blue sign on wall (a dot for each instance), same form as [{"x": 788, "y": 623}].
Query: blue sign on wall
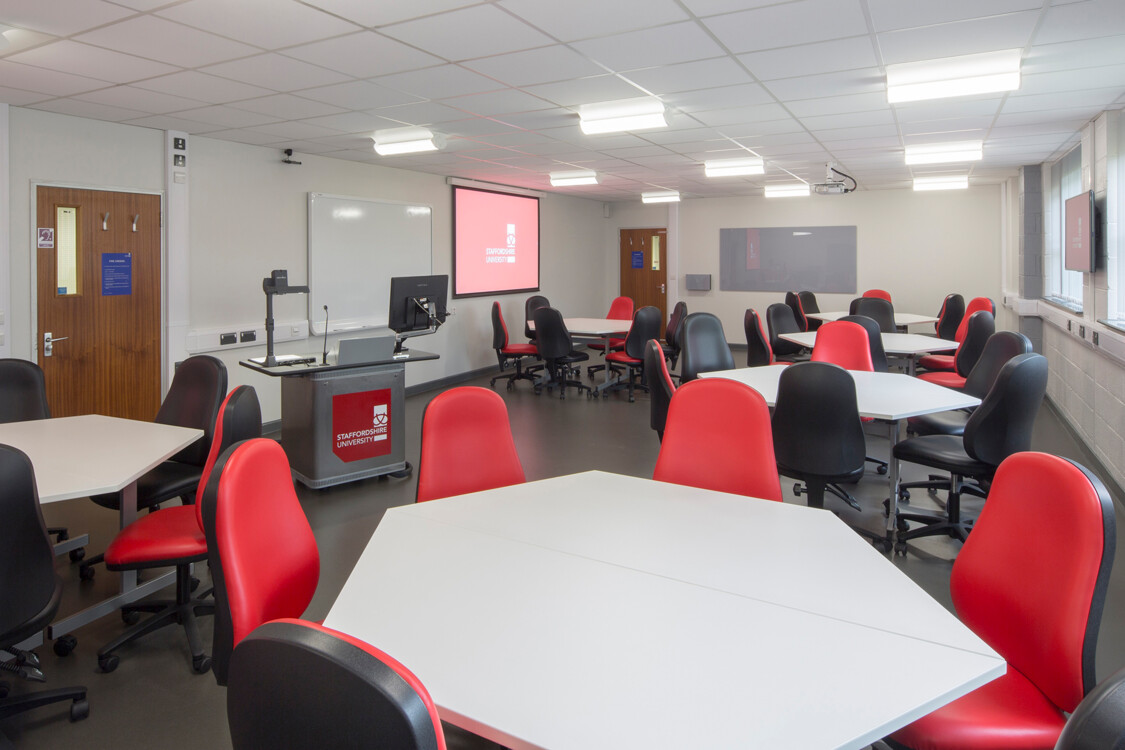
[
  {"x": 117, "y": 274},
  {"x": 638, "y": 259}
]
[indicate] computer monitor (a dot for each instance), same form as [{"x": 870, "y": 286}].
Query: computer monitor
[{"x": 417, "y": 302}]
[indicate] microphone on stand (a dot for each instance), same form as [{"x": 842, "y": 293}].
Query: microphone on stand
[{"x": 324, "y": 360}]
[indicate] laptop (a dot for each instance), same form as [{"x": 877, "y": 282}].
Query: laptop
[{"x": 363, "y": 350}]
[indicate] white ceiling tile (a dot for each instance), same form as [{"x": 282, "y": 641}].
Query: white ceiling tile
[
  {"x": 581, "y": 19},
  {"x": 91, "y": 110},
  {"x": 497, "y": 103},
  {"x": 129, "y": 97},
  {"x": 740, "y": 115},
  {"x": 288, "y": 107},
  {"x": 1106, "y": 76},
  {"x": 1049, "y": 58},
  {"x": 1009, "y": 31},
  {"x": 363, "y": 55},
  {"x": 1090, "y": 19},
  {"x": 294, "y": 129},
  {"x": 448, "y": 35},
  {"x": 542, "y": 119},
  {"x": 202, "y": 87},
  {"x": 159, "y": 39},
  {"x": 173, "y": 122},
  {"x": 663, "y": 45},
  {"x": 226, "y": 117},
  {"x": 309, "y": 148},
  {"x": 82, "y": 59},
  {"x": 832, "y": 105},
  {"x": 876, "y": 141},
  {"x": 1093, "y": 98},
  {"x": 543, "y": 65},
  {"x": 689, "y": 76},
  {"x": 985, "y": 104},
  {"x": 953, "y": 129},
  {"x": 425, "y": 113},
  {"x": 475, "y": 126},
  {"x": 724, "y": 97},
  {"x": 60, "y": 17},
  {"x": 350, "y": 122},
  {"x": 847, "y": 83},
  {"x": 258, "y": 22},
  {"x": 889, "y": 15},
  {"x": 368, "y": 13},
  {"x": 787, "y": 24},
  {"x": 835, "y": 135},
  {"x": 358, "y": 95},
  {"x": 18, "y": 98},
  {"x": 586, "y": 90},
  {"x": 439, "y": 82},
  {"x": 1055, "y": 119},
  {"x": 276, "y": 72},
  {"x": 810, "y": 59},
  {"x": 747, "y": 131},
  {"x": 50, "y": 82},
  {"x": 854, "y": 119},
  {"x": 250, "y": 137}
]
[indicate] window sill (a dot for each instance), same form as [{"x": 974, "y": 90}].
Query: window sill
[
  {"x": 1064, "y": 304},
  {"x": 1117, "y": 325}
]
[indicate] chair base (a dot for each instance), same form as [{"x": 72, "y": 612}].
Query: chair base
[
  {"x": 519, "y": 374},
  {"x": 17, "y": 704},
  {"x": 950, "y": 523},
  {"x": 562, "y": 376}
]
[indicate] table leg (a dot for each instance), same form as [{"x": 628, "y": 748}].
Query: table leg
[
  {"x": 894, "y": 434},
  {"x": 609, "y": 379}
]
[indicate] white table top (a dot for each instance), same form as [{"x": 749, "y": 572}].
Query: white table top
[
  {"x": 901, "y": 319},
  {"x": 93, "y": 454},
  {"x": 880, "y": 395},
  {"x": 602, "y": 611},
  {"x": 893, "y": 343},
  {"x": 593, "y": 326}
]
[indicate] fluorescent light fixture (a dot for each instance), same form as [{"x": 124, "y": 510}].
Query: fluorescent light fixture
[
  {"x": 641, "y": 113},
  {"x": 981, "y": 73},
  {"x": 576, "y": 177},
  {"x": 406, "y": 141},
  {"x": 944, "y": 153},
  {"x": 733, "y": 167},
  {"x": 791, "y": 190},
  {"x": 946, "y": 182},
  {"x": 5, "y": 42},
  {"x": 665, "y": 196}
]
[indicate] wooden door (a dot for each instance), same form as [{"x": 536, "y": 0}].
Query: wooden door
[
  {"x": 98, "y": 296},
  {"x": 644, "y": 269}
]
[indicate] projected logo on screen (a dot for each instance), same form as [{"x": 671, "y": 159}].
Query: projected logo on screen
[
  {"x": 496, "y": 242},
  {"x": 361, "y": 424},
  {"x": 503, "y": 254}
]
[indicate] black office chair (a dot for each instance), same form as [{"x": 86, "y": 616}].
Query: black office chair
[
  {"x": 949, "y": 317},
  {"x": 794, "y": 303},
  {"x": 809, "y": 305},
  {"x": 876, "y": 308},
  {"x": 29, "y": 588},
  {"x": 1099, "y": 721},
  {"x": 980, "y": 328},
  {"x": 874, "y": 339},
  {"x": 660, "y": 386},
  {"x": 645, "y": 328},
  {"x": 530, "y": 305},
  {"x": 671, "y": 345},
  {"x": 779, "y": 320},
  {"x": 999, "y": 427},
  {"x": 758, "y": 351},
  {"x": 557, "y": 351},
  {"x": 198, "y": 388},
  {"x": 704, "y": 346},
  {"x": 507, "y": 352}
]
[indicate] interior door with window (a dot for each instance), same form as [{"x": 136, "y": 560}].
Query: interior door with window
[
  {"x": 98, "y": 299},
  {"x": 644, "y": 273}
]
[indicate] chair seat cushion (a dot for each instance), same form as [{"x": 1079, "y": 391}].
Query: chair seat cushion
[
  {"x": 944, "y": 452},
  {"x": 938, "y": 362},
  {"x": 521, "y": 350},
  {"x": 167, "y": 536},
  {"x": 942, "y": 423},
  {"x": 624, "y": 359},
  {"x": 574, "y": 356},
  {"x": 168, "y": 480},
  {"x": 947, "y": 379},
  {"x": 613, "y": 344},
  {"x": 1008, "y": 713}
]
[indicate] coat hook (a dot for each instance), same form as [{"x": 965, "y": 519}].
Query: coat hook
[
  {"x": 135, "y": 220},
  {"x": 105, "y": 222}
]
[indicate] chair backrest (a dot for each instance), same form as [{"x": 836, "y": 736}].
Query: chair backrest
[
  {"x": 660, "y": 386},
  {"x": 878, "y": 294},
  {"x": 27, "y": 563},
  {"x": 794, "y": 301},
  {"x": 672, "y": 332},
  {"x": 980, "y": 328},
  {"x": 261, "y": 551},
  {"x": 718, "y": 438},
  {"x": 949, "y": 317},
  {"x": 779, "y": 320},
  {"x": 704, "y": 346},
  {"x": 816, "y": 426},
  {"x": 1001, "y": 347},
  {"x": 645, "y": 328},
  {"x": 552, "y": 340},
  {"x": 843, "y": 343},
  {"x": 297, "y": 684},
  {"x": 499, "y": 329},
  {"x": 467, "y": 445},
  {"x": 620, "y": 309},
  {"x": 530, "y": 305},
  {"x": 1031, "y": 578},
  {"x": 198, "y": 387},
  {"x": 23, "y": 392},
  {"x": 878, "y": 309},
  {"x": 240, "y": 418},
  {"x": 874, "y": 340},
  {"x": 975, "y": 305},
  {"x": 808, "y": 302},
  {"x": 1099, "y": 721},
  {"x": 1002, "y": 424},
  {"x": 758, "y": 351}
]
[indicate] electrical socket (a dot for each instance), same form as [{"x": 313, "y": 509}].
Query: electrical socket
[
  {"x": 245, "y": 336},
  {"x": 1081, "y": 332},
  {"x": 1068, "y": 328},
  {"x": 1095, "y": 338},
  {"x": 227, "y": 338},
  {"x": 294, "y": 330}
]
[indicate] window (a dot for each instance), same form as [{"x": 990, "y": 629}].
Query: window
[
  {"x": 1059, "y": 284},
  {"x": 1115, "y": 253},
  {"x": 66, "y": 252}
]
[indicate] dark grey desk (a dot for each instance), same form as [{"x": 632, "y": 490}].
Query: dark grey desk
[{"x": 340, "y": 423}]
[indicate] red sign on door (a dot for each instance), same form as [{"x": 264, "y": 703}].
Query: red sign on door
[{"x": 361, "y": 424}]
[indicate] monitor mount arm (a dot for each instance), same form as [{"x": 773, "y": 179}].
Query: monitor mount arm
[
  {"x": 276, "y": 283},
  {"x": 435, "y": 320}
]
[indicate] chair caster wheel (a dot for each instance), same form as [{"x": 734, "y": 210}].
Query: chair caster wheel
[
  {"x": 904, "y": 496},
  {"x": 511, "y": 386},
  {"x": 900, "y": 549},
  {"x": 108, "y": 663},
  {"x": 902, "y": 525},
  {"x": 880, "y": 469},
  {"x": 64, "y": 645},
  {"x": 86, "y": 572},
  {"x": 797, "y": 489},
  {"x": 194, "y": 583},
  {"x": 130, "y": 617},
  {"x": 79, "y": 710},
  {"x": 201, "y": 664},
  {"x": 77, "y": 554}
]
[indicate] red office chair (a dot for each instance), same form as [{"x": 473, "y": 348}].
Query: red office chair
[
  {"x": 1031, "y": 582},
  {"x": 845, "y": 344},
  {"x": 263, "y": 556},
  {"x": 645, "y": 328},
  {"x": 660, "y": 386},
  {"x": 718, "y": 437},
  {"x": 878, "y": 293},
  {"x": 758, "y": 350},
  {"x": 979, "y": 329},
  {"x": 945, "y": 360},
  {"x": 620, "y": 309},
  {"x": 173, "y": 537},
  {"x": 296, "y": 684},
  {"x": 507, "y": 352},
  {"x": 467, "y": 445}
]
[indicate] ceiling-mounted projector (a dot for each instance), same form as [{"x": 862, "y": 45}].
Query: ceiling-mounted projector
[{"x": 832, "y": 185}]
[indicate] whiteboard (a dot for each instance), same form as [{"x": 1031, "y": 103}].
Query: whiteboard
[{"x": 355, "y": 246}]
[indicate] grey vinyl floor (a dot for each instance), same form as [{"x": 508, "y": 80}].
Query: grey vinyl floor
[{"x": 155, "y": 700}]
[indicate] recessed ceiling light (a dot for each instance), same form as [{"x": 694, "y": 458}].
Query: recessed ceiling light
[
  {"x": 944, "y": 153},
  {"x": 791, "y": 190},
  {"x": 733, "y": 167},
  {"x": 982, "y": 73},
  {"x": 406, "y": 141},
  {"x": 641, "y": 113},
  {"x": 666, "y": 196},
  {"x": 577, "y": 177},
  {"x": 946, "y": 182}
]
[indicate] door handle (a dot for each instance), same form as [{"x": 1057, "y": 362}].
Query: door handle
[
  {"x": 48, "y": 343},
  {"x": 662, "y": 289}
]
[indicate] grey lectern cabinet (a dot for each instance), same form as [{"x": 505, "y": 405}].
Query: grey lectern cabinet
[{"x": 340, "y": 423}]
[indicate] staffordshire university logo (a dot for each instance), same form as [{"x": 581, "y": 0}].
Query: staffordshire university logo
[
  {"x": 380, "y": 421},
  {"x": 361, "y": 424}
]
